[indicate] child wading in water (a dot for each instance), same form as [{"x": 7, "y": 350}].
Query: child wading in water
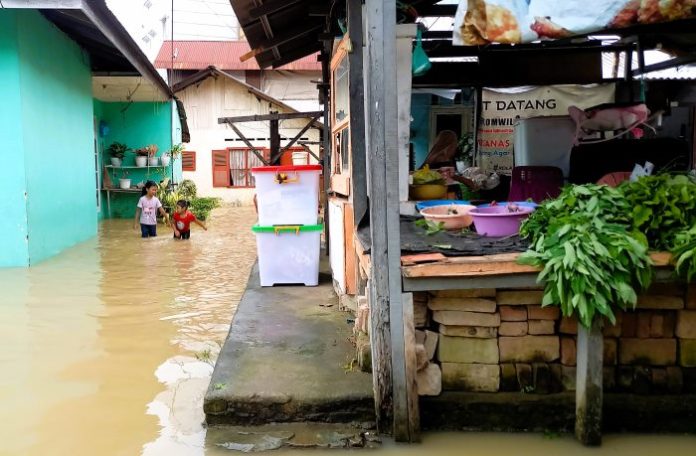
[
  {"x": 181, "y": 221},
  {"x": 146, "y": 213}
]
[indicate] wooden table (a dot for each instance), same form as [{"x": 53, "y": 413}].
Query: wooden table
[
  {"x": 109, "y": 191},
  {"x": 427, "y": 272}
]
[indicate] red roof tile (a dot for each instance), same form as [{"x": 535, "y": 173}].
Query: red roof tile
[{"x": 197, "y": 55}]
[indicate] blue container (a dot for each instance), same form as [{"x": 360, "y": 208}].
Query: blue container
[
  {"x": 423, "y": 204},
  {"x": 519, "y": 203}
]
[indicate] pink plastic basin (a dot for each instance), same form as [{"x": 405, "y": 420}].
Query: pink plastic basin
[
  {"x": 452, "y": 216},
  {"x": 498, "y": 221}
]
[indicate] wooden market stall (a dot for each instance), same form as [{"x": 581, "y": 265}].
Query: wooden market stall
[{"x": 404, "y": 296}]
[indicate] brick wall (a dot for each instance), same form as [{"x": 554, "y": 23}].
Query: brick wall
[{"x": 489, "y": 340}]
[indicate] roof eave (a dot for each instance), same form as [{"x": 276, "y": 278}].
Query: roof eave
[{"x": 108, "y": 24}]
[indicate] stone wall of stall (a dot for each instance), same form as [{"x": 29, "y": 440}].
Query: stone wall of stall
[{"x": 502, "y": 340}]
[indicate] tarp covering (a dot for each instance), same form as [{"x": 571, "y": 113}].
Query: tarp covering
[
  {"x": 415, "y": 240},
  {"x": 479, "y": 22}
]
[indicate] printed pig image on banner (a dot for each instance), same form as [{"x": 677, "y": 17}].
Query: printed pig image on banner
[{"x": 480, "y": 22}]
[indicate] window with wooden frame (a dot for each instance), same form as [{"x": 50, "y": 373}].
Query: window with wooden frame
[
  {"x": 242, "y": 160},
  {"x": 340, "y": 116},
  {"x": 188, "y": 160}
]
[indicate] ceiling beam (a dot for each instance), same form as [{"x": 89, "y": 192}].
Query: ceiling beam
[
  {"x": 282, "y": 38},
  {"x": 270, "y": 7},
  {"x": 301, "y": 51},
  {"x": 276, "y": 116},
  {"x": 320, "y": 10},
  {"x": 437, "y": 11}
]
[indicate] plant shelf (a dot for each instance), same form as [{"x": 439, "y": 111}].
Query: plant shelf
[{"x": 134, "y": 167}]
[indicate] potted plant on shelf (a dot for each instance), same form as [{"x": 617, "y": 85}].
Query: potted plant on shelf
[
  {"x": 146, "y": 156},
  {"x": 124, "y": 182},
  {"x": 174, "y": 152},
  {"x": 465, "y": 152},
  {"x": 117, "y": 151}
]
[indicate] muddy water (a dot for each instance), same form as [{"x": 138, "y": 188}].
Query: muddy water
[{"x": 107, "y": 350}]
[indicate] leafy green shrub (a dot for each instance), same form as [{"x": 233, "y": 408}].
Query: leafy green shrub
[
  {"x": 202, "y": 207},
  {"x": 187, "y": 189}
]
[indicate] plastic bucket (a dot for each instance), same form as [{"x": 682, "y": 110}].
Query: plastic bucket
[
  {"x": 300, "y": 158},
  {"x": 288, "y": 254},
  {"x": 498, "y": 221}
]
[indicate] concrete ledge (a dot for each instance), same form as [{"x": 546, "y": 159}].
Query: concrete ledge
[
  {"x": 537, "y": 413},
  {"x": 286, "y": 359}
]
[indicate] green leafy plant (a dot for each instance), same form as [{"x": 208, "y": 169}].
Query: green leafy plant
[
  {"x": 187, "y": 189},
  {"x": 590, "y": 257},
  {"x": 147, "y": 151},
  {"x": 118, "y": 150},
  {"x": 684, "y": 252},
  {"x": 176, "y": 150},
  {"x": 465, "y": 147},
  {"x": 202, "y": 207},
  {"x": 430, "y": 226},
  {"x": 664, "y": 208}
]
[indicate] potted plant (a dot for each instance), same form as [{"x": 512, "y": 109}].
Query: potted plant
[
  {"x": 124, "y": 182},
  {"x": 174, "y": 152},
  {"x": 146, "y": 156},
  {"x": 117, "y": 151},
  {"x": 465, "y": 152}
]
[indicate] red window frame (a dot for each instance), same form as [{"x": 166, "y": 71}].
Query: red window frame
[{"x": 246, "y": 167}]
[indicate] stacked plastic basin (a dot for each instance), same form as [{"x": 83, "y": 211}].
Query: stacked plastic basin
[{"x": 288, "y": 236}]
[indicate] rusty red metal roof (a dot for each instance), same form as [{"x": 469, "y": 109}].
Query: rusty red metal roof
[{"x": 198, "y": 55}]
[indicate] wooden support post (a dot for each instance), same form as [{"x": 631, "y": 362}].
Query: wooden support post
[
  {"x": 356, "y": 90},
  {"x": 297, "y": 137},
  {"x": 394, "y": 409},
  {"x": 247, "y": 142},
  {"x": 589, "y": 388},
  {"x": 275, "y": 142},
  {"x": 326, "y": 139}
]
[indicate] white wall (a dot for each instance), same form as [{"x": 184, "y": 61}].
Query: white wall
[{"x": 222, "y": 97}]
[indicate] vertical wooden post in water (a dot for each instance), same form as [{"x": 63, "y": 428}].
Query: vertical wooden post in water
[
  {"x": 589, "y": 389},
  {"x": 386, "y": 312}
]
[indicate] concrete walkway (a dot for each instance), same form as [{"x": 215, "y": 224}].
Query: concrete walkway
[{"x": 287, "y": 359}]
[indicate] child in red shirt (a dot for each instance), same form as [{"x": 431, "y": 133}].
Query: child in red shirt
[{"x": 181, "y": 221}]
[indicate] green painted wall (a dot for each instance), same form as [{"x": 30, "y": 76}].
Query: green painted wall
[
  {"x": 47, "y": 118},
  {"x": 13, "y": 224},
  {"x": 58, "y": 128},
  {"x": 136, "y": 124}
]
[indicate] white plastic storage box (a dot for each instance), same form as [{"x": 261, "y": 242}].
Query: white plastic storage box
[
  {"x": 287, "y": 195},
  {"x": 288, "y": 254}
]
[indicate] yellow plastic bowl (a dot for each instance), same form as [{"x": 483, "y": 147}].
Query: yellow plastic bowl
[{"x": 428, "y": 192}]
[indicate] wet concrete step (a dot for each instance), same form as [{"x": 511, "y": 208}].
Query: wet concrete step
[{"x": 286, "y": 359}]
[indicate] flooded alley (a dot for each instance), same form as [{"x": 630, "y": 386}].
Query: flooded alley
[{"x": 108, "y": 347}]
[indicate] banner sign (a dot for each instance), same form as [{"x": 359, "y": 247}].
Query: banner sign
[
  {"x": 479, "y": 22},
  {"x": 501, "y": 108}
]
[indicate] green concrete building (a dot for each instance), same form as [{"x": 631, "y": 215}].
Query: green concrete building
[{"x": 62, "y": 107}]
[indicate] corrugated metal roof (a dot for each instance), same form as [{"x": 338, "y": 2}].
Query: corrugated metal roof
[
  {"x": 198, "y": 55},
  {"x": 682, "y": 73}
]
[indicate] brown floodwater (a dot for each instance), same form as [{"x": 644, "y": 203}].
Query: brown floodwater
[{"x": 108, "y": 348}]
